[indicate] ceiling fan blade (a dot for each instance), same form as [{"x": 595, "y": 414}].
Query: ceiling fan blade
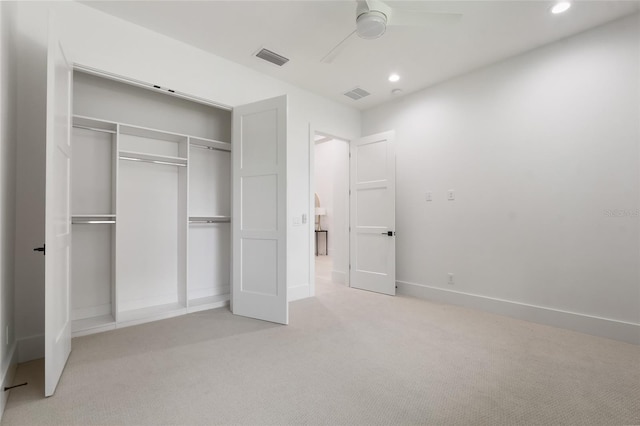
[
  {"x": 377, "y": 5},
  {"x": 421, "y": 18},
  {"x": 329, "y": 57}
]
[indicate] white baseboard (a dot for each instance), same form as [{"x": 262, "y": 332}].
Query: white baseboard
[
  {"x": 30, "y": 348},
  {"x": 90, "y": 312},
  {"x": 339, "y": 277},
  {"x": 298, "y": 292},
  {"x": 598, "y": 326},
  {"x": 8, "y": 373}
]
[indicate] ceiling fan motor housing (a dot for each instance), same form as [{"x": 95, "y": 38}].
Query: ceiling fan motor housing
[{"x": 371, "y": 24}]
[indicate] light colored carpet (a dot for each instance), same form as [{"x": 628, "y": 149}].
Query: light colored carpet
[{"x": 349, "y": 357}]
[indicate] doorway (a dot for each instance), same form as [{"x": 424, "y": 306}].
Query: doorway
[{"x": 330, "y": 208}]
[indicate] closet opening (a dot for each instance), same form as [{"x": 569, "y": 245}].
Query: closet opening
[
  {"x": 150, "y": 205},
  {"x": 330, "y": 209}
]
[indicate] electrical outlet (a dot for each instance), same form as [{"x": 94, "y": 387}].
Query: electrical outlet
[
  {"x": 427, "y": 196},
  {"x": 451, "y": 195},
  {"x": 450, "y": 278},
  {"x": 296, "y": 220}
]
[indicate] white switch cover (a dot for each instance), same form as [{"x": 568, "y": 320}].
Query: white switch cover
[
  {"x": 296, "y": 220},
  {"x": 450, "y": 278},
  {"x": 451, "y": 195},
  {"x": 304, "y": 218},
  {"x": 427, "y": 196}
]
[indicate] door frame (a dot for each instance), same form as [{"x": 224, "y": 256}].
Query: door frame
[{"x": 312, "y": 205}]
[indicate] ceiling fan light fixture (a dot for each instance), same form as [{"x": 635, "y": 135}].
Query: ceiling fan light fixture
[
  {"x": 371, "y": 24},
  {"x": 561, "y": 6}
]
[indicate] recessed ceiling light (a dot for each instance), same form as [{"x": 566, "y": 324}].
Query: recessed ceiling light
[
  {"x": 560, "y": 7},
  {"x": 394, "y": 77}
]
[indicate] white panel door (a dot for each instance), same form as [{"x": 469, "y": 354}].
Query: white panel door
[
  {"x": 373, "y": 218},
  {"x": 57, "y": 216},
  {"x": 259, "y": 210}
]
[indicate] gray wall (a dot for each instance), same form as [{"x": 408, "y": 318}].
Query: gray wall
[{"x": 542, "y": 151}]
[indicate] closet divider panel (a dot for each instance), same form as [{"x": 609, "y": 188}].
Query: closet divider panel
[{"x": 183, "y": 223}]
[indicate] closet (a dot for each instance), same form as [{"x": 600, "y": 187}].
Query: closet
[
  {"x": 150, "y": 205},
  {"x": 150, "y": 213}
]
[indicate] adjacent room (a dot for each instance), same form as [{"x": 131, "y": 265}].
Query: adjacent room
[{"x": 320, "y": 212}]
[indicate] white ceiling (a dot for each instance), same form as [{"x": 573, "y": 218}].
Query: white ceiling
[{"x": 305, "y": 31}]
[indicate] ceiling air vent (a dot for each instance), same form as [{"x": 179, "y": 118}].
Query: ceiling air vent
[
  {"x": 357, "y": 93},
  {"x": 272, "y": 57}
]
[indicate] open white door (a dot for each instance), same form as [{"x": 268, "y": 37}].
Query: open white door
[
  {"x": 57, "y": 215},
  {"x": 373, "y": 217},
  {"x": 259, "y": 211}
]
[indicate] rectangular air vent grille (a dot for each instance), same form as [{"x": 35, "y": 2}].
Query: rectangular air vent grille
[
  {"x": 357, "y": 93},
  {"x": 272, "y": 57}
]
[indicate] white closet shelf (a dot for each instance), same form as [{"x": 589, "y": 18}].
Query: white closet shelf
[
  {"x": 209, "y": 144},
  {"x": 145, "y": 132},
  {"x": 95, "y": 124},
  {"x": 154, "y": 158},
  {"x": 151, "y": 313},
  {"x": 91, "y": 325},
  {"x": 209, "y": 302}
]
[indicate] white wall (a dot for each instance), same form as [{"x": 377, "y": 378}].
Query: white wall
[
  {"x": 8, "y": 142},
  {"x": 101, "y": 41},
  {"x": 332, "y": 185},
  {"x": 540, "y": 149},
  {"x": 324, "y": 176}
]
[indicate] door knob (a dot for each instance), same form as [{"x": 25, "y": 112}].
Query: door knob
[
  {"x": 389, "y": 233},
  {"x": 42, "y": 249}
]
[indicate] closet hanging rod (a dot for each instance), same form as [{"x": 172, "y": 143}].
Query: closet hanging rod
[
  {"x": 227, "y": 220},
  {"x": 77, "y": 126},
  {"x": 169, "y": 163},
  {"x": 91, "y": 222},
  {"x": 210, "y": 147}
]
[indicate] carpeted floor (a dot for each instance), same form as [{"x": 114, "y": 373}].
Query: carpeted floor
[{"x": 348, "y": 357}]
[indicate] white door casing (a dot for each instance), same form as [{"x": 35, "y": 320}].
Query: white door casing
[
  {"x": 259, "y": 227},
  {"x": 372, "y": 221},
  {"x": 57, "y": 215}
]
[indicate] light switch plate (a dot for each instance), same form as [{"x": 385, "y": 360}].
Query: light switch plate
[
  {"x": 451, "y": 195},
  {"x": 427, "y": 196}
]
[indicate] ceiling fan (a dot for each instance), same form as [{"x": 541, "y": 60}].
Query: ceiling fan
[{"x": 374, "y": 16}]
